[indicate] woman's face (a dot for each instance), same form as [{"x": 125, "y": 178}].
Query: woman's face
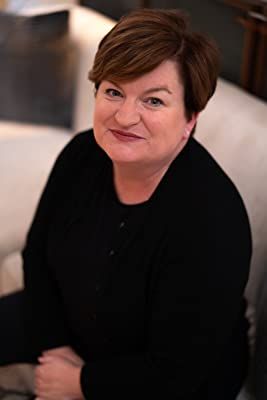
[{"x": 143, "y": 121}]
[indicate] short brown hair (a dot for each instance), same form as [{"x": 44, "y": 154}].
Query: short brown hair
[{"x": 144, "y": 38}]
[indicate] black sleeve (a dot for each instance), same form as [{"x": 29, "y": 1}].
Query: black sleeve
[
  {"x": 196, "y": 302},
  {"x": 45, "y": 324}
]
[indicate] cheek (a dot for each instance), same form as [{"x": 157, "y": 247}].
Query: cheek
[
  {"x": 103, "y": 112},
  {"x": 176, "y": 125},
  {"x": 167, "y": 129},
  {"x": 98, "y": 119},
  {"x": 99, "y": 114},
  {"x": 164, "y": 125},
  {"x": 155, "y": 124}
]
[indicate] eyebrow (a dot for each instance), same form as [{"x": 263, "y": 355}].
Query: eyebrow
[
  {"x": 148, "y": 91},
  {"x": 158, "y": 89}
]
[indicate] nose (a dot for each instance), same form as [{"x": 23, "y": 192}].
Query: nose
[{"x": 127, "y": 114}]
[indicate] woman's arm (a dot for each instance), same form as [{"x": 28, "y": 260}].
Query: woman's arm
[{"x": 46, "y": 326}]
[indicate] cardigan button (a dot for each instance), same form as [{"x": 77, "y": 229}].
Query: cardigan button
[
  {"x": 122, "y": 224},
  {"x": 111, "y": 253}
]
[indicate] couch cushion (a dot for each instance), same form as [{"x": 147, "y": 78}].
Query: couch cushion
[
  {"x": 37, "y": 68},
  {"x": 27, "y": 153},
  {"x": 16, "y": 382}
]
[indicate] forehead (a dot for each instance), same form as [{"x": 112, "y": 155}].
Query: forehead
[{"x": 164, "y": 75}]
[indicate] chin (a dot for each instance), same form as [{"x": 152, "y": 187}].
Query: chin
[
  {"x": 120, "y": 158},
  {"x": 121, "y": 154}
]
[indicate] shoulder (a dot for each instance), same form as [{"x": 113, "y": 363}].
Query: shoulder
[
  {"x": 80, "y": 152},
  {"x": 80, "y": 145},
  {"x": 210, "y": 184},
  {"x": 212, "y": 207},
  {"x": 208, "y": 225},
  {"x": 78, "y": 160},
  {"x": 206, "y": 170}
]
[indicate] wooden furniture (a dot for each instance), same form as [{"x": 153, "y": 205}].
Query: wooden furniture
[
  {"x": 144, "y": 3},
  {"x": 253, "y": 18}
]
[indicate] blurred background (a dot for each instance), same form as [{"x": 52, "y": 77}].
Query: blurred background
[{"x": 38, "y": 60}]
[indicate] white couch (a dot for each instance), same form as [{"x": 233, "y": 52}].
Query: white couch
[{"x": 233, "y": 128}]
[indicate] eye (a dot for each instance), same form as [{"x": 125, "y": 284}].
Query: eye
[
  {"x": 154, "y": 101},
  {"x": 113, "y": 93}
]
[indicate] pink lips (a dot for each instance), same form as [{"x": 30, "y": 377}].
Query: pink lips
[{"x": 125, "y": 136}]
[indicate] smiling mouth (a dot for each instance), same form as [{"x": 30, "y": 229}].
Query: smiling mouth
[{"x": 125, "y": 135}]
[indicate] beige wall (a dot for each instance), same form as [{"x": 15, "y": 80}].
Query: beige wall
[{"x": 2, "y": 4}]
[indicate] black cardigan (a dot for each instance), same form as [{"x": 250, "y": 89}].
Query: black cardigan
[{"x": 157, "y": 321}]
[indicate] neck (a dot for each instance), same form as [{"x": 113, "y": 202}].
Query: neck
[{"x": 136, "y": 185}]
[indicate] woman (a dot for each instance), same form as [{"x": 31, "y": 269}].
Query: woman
[{"x": 138, "y": 256}]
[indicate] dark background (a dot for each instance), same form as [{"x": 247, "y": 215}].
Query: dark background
[{"x": 212, "y": 17}]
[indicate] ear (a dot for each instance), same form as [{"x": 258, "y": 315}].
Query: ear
[{"x": 190, "y": 126}]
